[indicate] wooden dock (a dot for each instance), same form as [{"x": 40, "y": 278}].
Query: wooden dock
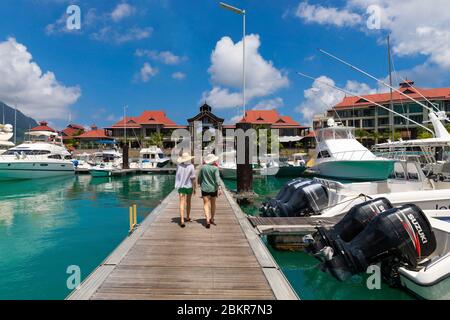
[{"x": 162, "y": 261}]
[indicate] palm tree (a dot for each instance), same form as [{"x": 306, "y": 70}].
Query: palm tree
[{"x": 156, "y": 139}]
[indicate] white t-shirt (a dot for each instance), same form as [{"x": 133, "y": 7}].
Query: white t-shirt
[{"x": 185, "y": 175}]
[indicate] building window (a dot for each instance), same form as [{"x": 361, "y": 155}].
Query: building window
[
  {"x": 382, "y": 112},
  {"x": 368, "y": 123},
  {"x": 383, "y": 121},
  {"x": 418, "y": 119},
  {"x": 415, "y": 108}
]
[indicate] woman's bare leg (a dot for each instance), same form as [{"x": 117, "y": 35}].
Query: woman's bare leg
[
  {"x": 207, "y": 209},
  {"x": 182, "y": 207},
  {"x": 213, "y": 208},
  {"x": 188, "y": 206}
]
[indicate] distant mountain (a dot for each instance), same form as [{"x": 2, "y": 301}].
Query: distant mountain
[{"x": 23, "y": 123}]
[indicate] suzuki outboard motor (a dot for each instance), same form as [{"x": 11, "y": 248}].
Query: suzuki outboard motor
[
  {"x": 397, "y": 237},
  {"x": 351, "y": 225},
  {"x": 299, "y": 198}
]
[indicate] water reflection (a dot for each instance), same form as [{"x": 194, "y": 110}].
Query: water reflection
[{"x": 47, "y": 225}]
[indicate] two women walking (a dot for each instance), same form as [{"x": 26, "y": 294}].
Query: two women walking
[{"x": 208, "y": 180}]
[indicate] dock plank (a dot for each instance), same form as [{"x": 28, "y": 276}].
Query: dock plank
[{"x": 162, "y": 261}]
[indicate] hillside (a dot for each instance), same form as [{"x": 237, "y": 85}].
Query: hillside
[{"x": 24, "y": 123}]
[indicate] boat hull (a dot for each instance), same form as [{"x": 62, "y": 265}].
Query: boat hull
[
  {"x": 290, "y": 171},
  {"x": 363, "y": 170},
  {"x": 29, "y": 171},
  {"x": 100, "y": 173}
]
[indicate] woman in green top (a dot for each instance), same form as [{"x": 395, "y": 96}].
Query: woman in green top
[{"x": 208, "y": 180}]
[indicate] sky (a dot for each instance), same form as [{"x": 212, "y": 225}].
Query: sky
[{"x": 173, "y": 55}]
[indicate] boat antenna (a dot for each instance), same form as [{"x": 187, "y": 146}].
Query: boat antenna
[
  {"x": 3, "y": 113},
  {"x": 376, "y": 79},
  {"x": 391, "y": 97},
  {"x": 364, "y": 98}
]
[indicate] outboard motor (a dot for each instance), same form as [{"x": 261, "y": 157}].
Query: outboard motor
[
  {"x": 298, "y": 198},
  {"x": 397, "y": 237}
]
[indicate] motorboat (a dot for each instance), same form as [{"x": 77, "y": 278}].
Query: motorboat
[
  {"x": 340, "y": 156},
  {"x": 105, "y": 163},
  {"x": 267, "y": 166},
  {"x": 432, "y": 153},
  {"x": 44, "y": 157},
  {"x": 150, "y": 158},
  {"x": 292, "y": 167},
  {"x": 329, "y": 198},
  {"x": 6, "y": 133},
  {"x": 410, "y": 248},
  {"x": 103, "y": 170}
]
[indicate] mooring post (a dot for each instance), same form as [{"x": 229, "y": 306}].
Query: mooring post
[
  {"x": 244, "y": 172},
  {"x": 125, "y": 152}
]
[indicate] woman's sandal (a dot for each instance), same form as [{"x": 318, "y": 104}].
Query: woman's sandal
[
  {"x": 182, "y": 225},
  {"x": 188, "y": 220}
]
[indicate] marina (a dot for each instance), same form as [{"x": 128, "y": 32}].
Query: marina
[{"x": 150, "y": 153}]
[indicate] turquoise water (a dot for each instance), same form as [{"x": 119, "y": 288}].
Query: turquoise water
[
  {"x": 48, "y": 225},
  {"x": 301, "y": 269}
]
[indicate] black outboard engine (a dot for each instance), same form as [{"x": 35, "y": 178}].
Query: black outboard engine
[
  {"x": 397, "y": 237},
  {"x": 299, "y": 197}
]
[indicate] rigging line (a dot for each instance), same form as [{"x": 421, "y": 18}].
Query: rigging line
[
  {"x": 418, "y": 91},
  {"x": 368, "y": 100},
  {"x": 401, "y": 101},
  {"x": 372, "y": 77}
]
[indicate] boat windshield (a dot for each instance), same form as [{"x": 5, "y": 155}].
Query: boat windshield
[
  {"x": 12, "y": 152},
  {"x": 335, "y": 133}
]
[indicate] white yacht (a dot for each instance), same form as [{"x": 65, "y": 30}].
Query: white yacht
[
  {"x": 6, "y": 133},
  {"x": 339, "y": 155},
  {"x": 150, "y": 158},
  {"x": 36, "y": 159}
]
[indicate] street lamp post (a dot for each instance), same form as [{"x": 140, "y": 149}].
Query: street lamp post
[{"x": 243, "y": 14}]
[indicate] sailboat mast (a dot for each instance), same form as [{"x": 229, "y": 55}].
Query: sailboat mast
[{"x": 391, "y": 115}]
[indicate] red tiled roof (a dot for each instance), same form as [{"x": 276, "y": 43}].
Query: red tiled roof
[
  {"x": 75, "y": 126},
  {"x": 383, "y": 98},
  {"x": 147, "y": 117},
  {"x": 70, "y": 132},
  {"x": 43, "y": 126},
  {"x": 94, "y": 134},
  {"x": 271, "y": 117}
]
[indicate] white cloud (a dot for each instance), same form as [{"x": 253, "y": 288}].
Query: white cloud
[
  {"x": 108, "y": 34},
  {"x": 222, "y": 98},
  {"x": 262, "y": 78},
  {"x": 178, "y": 75},
  {"x": 147, "y": 72},
  {"x": 417, "y": 27},
  {"x": 37, "y": 94},
  {"x": 269, "y": 104},
  {"x": 122, "y": 11},
  {"x": 327, "y": 15},
  {"x": 320, "y": 97},
  {"x": 165, "y": 57}
]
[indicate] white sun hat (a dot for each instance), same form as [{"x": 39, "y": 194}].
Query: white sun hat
[
  {"x": 210, "y": 158},
  {"x": 185, "y": 157}
]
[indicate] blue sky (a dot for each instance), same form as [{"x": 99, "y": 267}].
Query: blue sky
[{"x": 157, "y": 54}]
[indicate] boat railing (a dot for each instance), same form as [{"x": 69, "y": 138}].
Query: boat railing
[{"x": 355, "y": 155}]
